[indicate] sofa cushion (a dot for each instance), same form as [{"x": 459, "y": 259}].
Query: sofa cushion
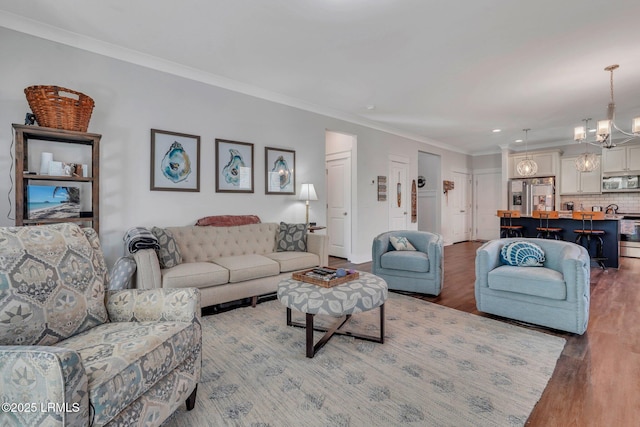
[
  {"x": 125, "y": 359},
  {"x": 292, "y": 237},
  {"x": 169, "y": 253},
  {"x": 194, "y": 275},
  {"x": 247, "y": 267},
  {"x": 52, "y": 283},
  {"x": 406, "y": 261},
  {"x": 522, "y": 254},
  {"x": 206, "y": 244},
  {"x": 541, "y": 282},
  {"x": 400, "y": 243},
  {"x": 292, "y": 261}
]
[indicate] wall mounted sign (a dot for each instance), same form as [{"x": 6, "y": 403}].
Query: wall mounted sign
[
  {"x": 382, "y": 188},
  {"x": 414, "y": 202}
]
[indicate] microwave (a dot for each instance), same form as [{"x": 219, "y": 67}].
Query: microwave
[{"x": 620, "y": 183}]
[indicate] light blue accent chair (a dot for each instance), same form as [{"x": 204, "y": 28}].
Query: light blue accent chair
[
  {"x": 418, "y": 271},
  {"x": 555, "y": 295}
]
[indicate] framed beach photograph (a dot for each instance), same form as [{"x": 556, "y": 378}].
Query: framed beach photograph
[
  {"x": 234, "y": 166},
  {"x": 49, "y": 201},
  {"x": 279, "y": 169},
  {"x": 175, "y": 161}
]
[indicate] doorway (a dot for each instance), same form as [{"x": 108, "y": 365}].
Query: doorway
[
  {"x": 487, "y": 224},
  {"x": 429, "y": 191},
  {"x": 340, "y": 162},
  {"x": 339, "y": 204},
  {"x": 398, "y": 192},
  {"x": 460, "y": 197}
]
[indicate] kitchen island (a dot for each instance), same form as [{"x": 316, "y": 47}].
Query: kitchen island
[{"x": 610, "y": 225}]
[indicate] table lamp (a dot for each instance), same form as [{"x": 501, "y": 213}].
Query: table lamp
[{"x": 308, "y": 192}]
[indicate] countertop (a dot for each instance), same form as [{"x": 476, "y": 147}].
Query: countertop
[{"x": 568, "y": 215}]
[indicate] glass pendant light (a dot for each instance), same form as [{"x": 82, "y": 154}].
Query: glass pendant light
[
  {"x": 526, "y": 166},
  {"x": 587, "y": 162}
]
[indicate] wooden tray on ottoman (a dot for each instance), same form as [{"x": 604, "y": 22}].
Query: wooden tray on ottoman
[{"x": 301, "y": 276}]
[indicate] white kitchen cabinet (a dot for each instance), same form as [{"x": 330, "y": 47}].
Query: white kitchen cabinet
[
  {"x": 548, "y": 163},
  {"x": 621, "y": 159},
  {"x": 573, "y": 181}
]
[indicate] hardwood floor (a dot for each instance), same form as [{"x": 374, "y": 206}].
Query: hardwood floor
[{"x": 597, "y": 378}]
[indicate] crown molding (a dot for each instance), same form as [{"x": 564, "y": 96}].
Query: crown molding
[{"x": 48, "y": 32}]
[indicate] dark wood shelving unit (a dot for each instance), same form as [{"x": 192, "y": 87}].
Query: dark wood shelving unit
[{"x": 25, "y": 133}]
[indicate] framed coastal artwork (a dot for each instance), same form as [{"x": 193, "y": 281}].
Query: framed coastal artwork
[
  {"x": 175, "y": 161},
  {"x": 234, "y": 166},
  {"x": 279, "y": 169}
]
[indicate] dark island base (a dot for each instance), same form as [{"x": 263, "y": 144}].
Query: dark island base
[{"x": 610, "y": 239}]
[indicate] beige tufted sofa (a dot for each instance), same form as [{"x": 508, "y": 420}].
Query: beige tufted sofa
[{"x": 228, "y": 263}]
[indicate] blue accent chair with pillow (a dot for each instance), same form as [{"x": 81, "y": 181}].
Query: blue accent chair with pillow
[
  {"x": 414, "y": 270},
  {"x": 555, "y": 295}
]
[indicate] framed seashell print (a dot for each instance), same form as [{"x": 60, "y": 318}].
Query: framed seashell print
[
  {"x": 279, "y": 170},
  {"x": 234, "y": 166},
  {"x": 175, "y": 161}
]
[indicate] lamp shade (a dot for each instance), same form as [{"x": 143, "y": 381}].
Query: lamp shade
[{"x": 308, "y": 192}]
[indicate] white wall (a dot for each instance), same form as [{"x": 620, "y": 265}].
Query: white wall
[
  {"x": 130, "y": 100},
  {"x": 487, "y": 161}
]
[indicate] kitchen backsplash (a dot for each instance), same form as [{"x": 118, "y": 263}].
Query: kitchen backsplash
[{"x": 627, "y": 202}]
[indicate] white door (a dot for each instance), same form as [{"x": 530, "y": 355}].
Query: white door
[
  {"x": 487, "y": 197},
  {"x": 461, "y": 207},
  {"x": 339, "y": 205},
  {"x": 398, "y": 192}
]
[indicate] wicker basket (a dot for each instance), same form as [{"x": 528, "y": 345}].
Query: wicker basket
[{"x": 60, "y": 108}]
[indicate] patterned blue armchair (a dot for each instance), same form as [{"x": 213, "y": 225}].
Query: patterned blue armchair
[
  {"x": 418, "y": 270},
  {"x": 77, "y": 360}
]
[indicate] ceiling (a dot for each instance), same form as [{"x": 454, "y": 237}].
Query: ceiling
[{"x": 440, "y": 71}]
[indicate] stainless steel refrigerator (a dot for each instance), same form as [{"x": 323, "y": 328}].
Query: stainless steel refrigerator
[{"x": 527, "y": 195}]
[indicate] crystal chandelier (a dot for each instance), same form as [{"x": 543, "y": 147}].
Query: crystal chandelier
[
  {"x": 587, "y": 162},
  {"x": 605, "y": 127},
  {"x": 526, "y": 166}
]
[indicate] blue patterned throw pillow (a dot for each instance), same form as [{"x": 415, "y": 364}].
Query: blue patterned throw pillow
[
  {"x": 401, "y": 244},
  {"x": 522, "y": 254},
  {"x": 122, "y": 273}
]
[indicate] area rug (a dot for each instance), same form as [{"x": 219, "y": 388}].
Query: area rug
[{"x": 437, "y": 367}]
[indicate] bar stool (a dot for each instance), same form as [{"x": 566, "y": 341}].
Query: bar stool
[
  {"x": 544, "y": 231},
  {"x": 586, "y": 233},
  {"x": 507, "y": 229}
]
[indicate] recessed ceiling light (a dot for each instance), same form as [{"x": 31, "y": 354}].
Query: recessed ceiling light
[
  {"x": 518, "y": 140},
  {"x": 371, "y": 107},
  {"x": 496, "y": 130}
]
